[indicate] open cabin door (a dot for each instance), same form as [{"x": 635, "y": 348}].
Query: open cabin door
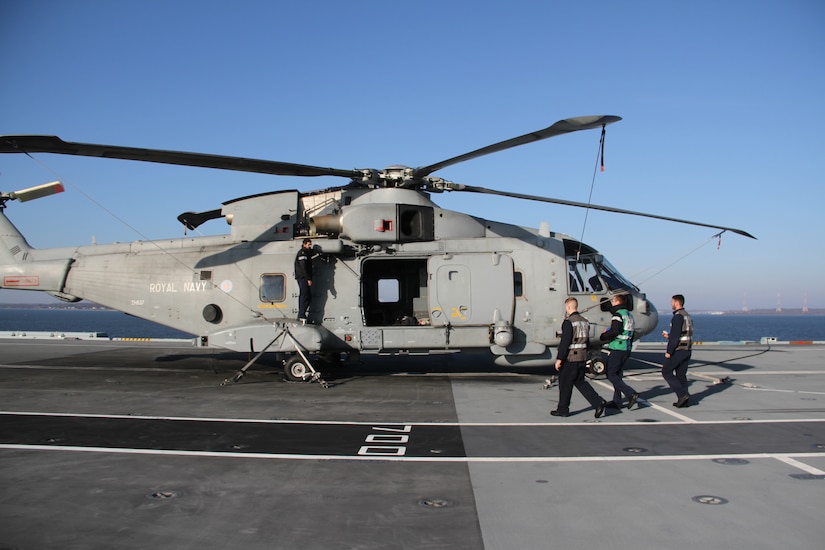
[{"x": 468, "y": 289}]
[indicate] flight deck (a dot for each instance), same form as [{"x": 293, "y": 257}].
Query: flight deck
[{"x": 137, "y": 444}]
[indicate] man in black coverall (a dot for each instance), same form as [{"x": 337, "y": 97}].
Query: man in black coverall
[
  {"x": 677, "y": 356},
  {"x": 572, "y": 359},
  {"x": 303, "y": 275}
]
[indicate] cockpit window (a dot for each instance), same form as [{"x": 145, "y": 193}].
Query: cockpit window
[
  {"x": 584, "y": 276},
  {"x": 591, "y": 273},
  {"x": 614, "y": 279}
]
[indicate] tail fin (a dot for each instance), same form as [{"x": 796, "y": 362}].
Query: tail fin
[
  {"x": 21, "y": 270},
  {"x": 13, "y": 246}
]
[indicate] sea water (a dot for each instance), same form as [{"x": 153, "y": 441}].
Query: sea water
[
  {"x": 113, "y": 324},
  {"x": 747, "y": 327},
  {"x": 707, "y": 327}
]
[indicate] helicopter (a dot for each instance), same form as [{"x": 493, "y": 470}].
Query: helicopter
[{"x": 395, "y": 273}]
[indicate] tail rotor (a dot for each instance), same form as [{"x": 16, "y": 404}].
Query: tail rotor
[{"x": 31, "y": 193}]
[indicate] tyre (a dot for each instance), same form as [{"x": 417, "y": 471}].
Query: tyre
[
  {"x": 597, "y": 367},
  {"x": 296, "y": 369}
]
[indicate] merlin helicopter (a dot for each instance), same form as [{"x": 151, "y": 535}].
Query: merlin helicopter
[{"x": 396, "y": 273}]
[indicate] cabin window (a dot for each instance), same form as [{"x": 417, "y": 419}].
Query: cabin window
[
  {"x": 388, "y": 291},
  {"x": 273, "y": 287},
  {"x": 518, "y": 284}
]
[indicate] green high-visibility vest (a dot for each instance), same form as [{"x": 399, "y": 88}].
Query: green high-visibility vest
[{"x": 624, "y": 340}]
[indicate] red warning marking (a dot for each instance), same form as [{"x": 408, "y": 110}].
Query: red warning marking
[{"x": 22, "y": 280}]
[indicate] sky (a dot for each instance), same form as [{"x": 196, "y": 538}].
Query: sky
[{"x": 723, "y": 120}]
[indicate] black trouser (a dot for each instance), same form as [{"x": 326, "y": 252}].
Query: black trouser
[
  {"x": 304, "y": 298},
  {"x": 615, "y": 366},
  {"x": 570, "y": 375},
  {"x": 674, "y": 371}
]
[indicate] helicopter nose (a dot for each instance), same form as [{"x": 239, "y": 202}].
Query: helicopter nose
[{"x": 646, "y": 316}]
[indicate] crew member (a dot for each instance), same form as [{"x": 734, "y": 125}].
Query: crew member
[
  {"x": 677, "y": 356},
  {"x": 571, "y": 361},
  {"x": 303, "y": 275},
  {"x": 620, "y": 339}
]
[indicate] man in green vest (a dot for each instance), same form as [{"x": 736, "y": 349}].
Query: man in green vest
[{"x": 620, "y": 339}]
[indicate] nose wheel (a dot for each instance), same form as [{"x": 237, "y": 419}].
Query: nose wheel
[{"x": 596, "y": 367}]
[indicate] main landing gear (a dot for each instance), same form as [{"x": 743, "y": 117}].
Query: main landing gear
[{"x": 297, "y": 367}]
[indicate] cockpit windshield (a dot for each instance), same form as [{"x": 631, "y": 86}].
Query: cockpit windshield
[
  {"x": 611, "y": 275},
  {"x": 590, "y": 272}
]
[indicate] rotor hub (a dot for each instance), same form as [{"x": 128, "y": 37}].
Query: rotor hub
[{"x": 397, "y": 176}]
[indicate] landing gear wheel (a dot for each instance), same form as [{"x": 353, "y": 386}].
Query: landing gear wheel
[
  {"x": 597, "y": 367},
  {"x": 296, "y": 369}
]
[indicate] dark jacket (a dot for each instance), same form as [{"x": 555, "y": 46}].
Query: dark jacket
[
  {"x": 621, "y": 317},
  {"x": 681, "y": 332},
  {"x": 573, "y": 345},
  {"x": 303, "y": 263}
]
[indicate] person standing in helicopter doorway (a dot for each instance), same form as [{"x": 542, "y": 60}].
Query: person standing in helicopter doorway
[
  {"x": 303, "y": 275},
  {"x": 620, "y": 340},
  {"x": 677, "y": 356}
]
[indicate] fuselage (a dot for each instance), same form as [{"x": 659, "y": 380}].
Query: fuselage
[{"x": 396, "y": 273}]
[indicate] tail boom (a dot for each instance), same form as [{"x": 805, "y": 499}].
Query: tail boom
[{"x": 24, "y": 268}]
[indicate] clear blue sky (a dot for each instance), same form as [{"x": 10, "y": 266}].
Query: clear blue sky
[{"x": 722, "y": 106}]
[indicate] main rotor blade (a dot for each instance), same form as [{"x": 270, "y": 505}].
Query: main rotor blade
[
  {"x": 53, "y": 144},
  {"x": 561, "y": 127},
  {"x": 473, "y": 189}
]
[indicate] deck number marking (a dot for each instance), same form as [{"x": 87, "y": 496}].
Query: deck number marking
[{"x": 390, "y": 442}]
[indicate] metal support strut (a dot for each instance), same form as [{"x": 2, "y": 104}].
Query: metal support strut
[
  {"x": 316, "y": 376},
  {"x": 240, "y": 374}
]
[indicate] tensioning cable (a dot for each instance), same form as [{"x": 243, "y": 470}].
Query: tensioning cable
[{"x": 717, "y": 236}]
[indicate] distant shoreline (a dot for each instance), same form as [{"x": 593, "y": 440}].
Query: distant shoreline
[
  {"x": 91, "y": 306},
  {"x": 59, "y": 305}
]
